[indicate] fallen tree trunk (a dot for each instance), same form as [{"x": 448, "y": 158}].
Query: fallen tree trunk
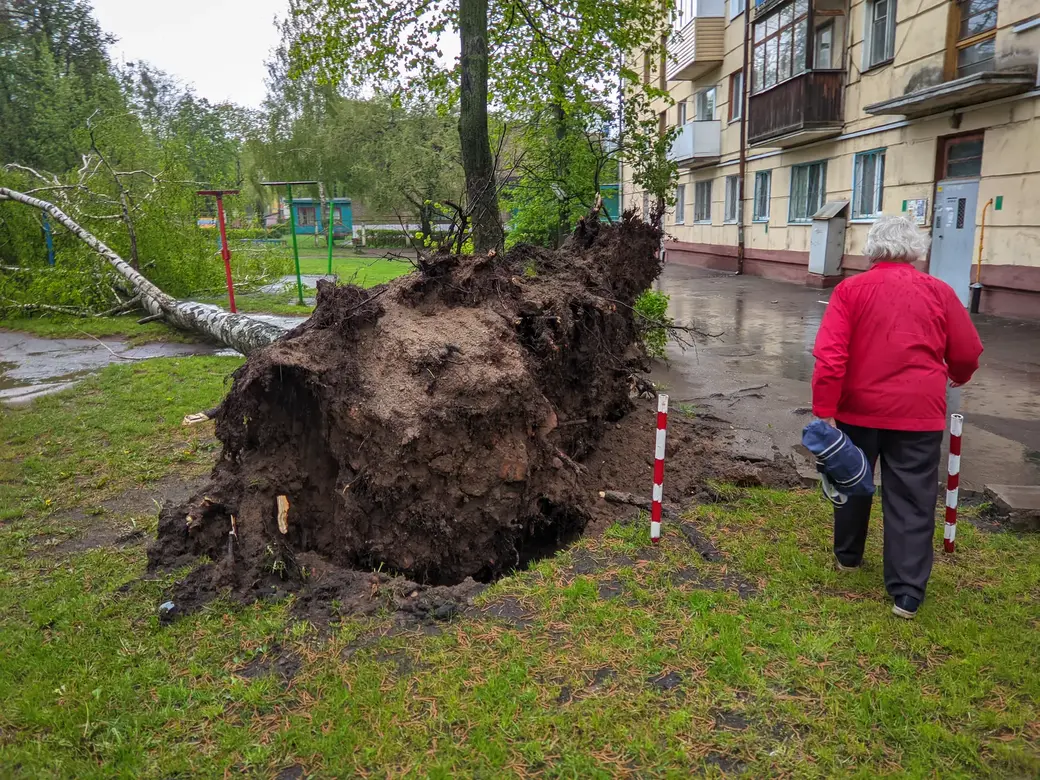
[{"x": 237, "y": 331}]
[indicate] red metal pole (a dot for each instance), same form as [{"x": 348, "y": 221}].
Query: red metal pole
[
  {"x": 953, "y": 482},
  {"x": 225, "y": 253},
  {"x": 658, "y": 495}
]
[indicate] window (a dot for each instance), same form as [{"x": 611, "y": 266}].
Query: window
[
  {"x": 976, "y": 38},
  {"x": 702, "y": 201},
  {"x": 646, "y": 205},
  {"x": 868, "y": 181},
  {"x": 823, "y": 57},
  {"x": 646, "y": 67},
  {"x": 879, "y": 45},
  {"x": 736, "y": 8},
  {"x": 808, "y": 190},
  {"x": 685, "y": 11},
  {"x": 730, "y": 212},
  {"x": 763, "y": 184},
  {"x": 705, "y": 104},
  {"x": 736, "y": 95},
  {"x": 680, "y": 205},
  {"x": 962, "y": 157},
  {"x": 779, "y": 45},
  {"x": 305, "y": 216},
  {"x": 680, "y": 109}
]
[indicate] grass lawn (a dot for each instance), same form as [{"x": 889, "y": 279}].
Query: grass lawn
[
  {"x": 125, "y": 328},
  {"x": 366, "y": 271},
  {"x": 614, "y": 658}
]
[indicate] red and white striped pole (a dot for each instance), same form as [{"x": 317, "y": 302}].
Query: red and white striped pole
[
  {"x": 662, "y": 432},
  {"x": 953, "y": 481}
]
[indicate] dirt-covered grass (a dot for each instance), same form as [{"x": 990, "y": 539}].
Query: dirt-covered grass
[{"x": 611, "y": 659}]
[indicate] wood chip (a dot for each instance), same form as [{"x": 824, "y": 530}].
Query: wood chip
[{"x": 283, "y": 514}]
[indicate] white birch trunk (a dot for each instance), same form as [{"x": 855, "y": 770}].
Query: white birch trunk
[{"x": 237, "y": 331}]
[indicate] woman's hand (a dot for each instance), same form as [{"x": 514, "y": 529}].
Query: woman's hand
[{"x": 830, "y": 422}]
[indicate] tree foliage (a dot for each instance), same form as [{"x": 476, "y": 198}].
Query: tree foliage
[
  {"x": 397, "y": 157},
  {"x": 566, "y": 57},
  {"x": 121, "y": 151}
]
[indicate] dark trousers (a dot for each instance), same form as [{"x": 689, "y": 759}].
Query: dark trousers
[{"x": 909, "y": 489}]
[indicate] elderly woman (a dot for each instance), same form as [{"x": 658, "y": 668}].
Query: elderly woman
[{"x": 889, "y": 341}]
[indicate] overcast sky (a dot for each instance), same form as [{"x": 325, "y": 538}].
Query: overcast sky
[{"x": 217, "y": 45}]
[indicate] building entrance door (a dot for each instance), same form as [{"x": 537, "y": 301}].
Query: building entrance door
[{"x": 953, "y": 234}]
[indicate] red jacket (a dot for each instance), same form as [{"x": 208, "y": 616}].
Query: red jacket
[{"x": 888, "y": 342}]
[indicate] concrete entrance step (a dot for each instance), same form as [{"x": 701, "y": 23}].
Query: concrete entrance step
[{"x": 1021, "y": 503}]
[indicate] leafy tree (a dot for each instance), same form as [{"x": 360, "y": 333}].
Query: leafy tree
[
  {"x": 397, "y": 157},
  {"x": 561, "y": 163},
  {"x": 514, "y": 54},
  {"x": 121, "y": 152},
  {"x": 54, "y": 74}
]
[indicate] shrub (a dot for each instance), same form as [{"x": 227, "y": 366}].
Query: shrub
[{"x": 652, "y": 320}]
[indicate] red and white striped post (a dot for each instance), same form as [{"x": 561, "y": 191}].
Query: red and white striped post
[
  {"x": 662, "y": 432},
  {"x": 953, "y": 481}
]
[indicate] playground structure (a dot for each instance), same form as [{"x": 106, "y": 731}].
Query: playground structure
[
  {"x": 292, "y": 229},
  {"x": 225, "y": 250},
  {"x": 311, "y": 217}
]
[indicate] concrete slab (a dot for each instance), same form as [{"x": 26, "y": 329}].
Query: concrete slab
[{"x": 1021, "y": 504}]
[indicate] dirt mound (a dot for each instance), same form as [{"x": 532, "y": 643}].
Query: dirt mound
[{"x": 430, "y": 427}]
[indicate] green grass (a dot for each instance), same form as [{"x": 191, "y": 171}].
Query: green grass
[
  {"x": 363, "y": 271},
  {"x": 113, "y": 431},
  {"x": 809, "y": 676},
  {"x": 125, "y": 328},
  {"x": 267, "y": 303}
]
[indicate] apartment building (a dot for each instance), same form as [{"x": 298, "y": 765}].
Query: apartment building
[{"x": 851, "y": 109}]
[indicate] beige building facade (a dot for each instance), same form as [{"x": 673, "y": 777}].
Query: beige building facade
[{"x": 851, "y": 109}]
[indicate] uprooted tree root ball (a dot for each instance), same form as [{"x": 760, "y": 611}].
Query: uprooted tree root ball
[{"x": 432, "y": 427}]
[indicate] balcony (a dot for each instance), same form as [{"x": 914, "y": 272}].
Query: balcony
[
  {"x": 698, "y": 44},
  {"x": 696, "y": 143},
  {"x": 958, "y": 93},
  {"x": 797, "y": 111}
]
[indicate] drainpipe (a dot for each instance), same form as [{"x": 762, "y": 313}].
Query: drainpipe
[
  {"x": 744, "y": 105},
  {"x": 976, "y": 289}
]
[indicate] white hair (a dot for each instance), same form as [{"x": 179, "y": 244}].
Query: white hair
[{"x": 895, "y": 240}]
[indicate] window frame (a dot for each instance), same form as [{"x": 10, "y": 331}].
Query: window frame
[
  {"x": 704, "y": 184},
  {"x": 951, "y": 141},
  {"x": 762, "y": 64},
  {"x": 714, "y": 89},
  {"x": 767, "y": 177},
  {"x": 807, "y": 219},
  {"x": 961, "y": 43},
  {"x": 824, "y": 27},
  {"x": 681, "y": 113},
  {"x": 680, "y": 204},
  {"x": 306, "y": 215},
  {"x": 739, "y": 5},
  {"x": 731, "y": 198},
  {"x": 868, "y": 34},
  {"x": 880, "y": 155},
  {"x": 736, "y": 95}
]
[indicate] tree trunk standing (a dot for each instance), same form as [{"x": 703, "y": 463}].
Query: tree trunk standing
[
  {"x": 235, "y": 330},
  {"x": 562, "y": 166},
  {"x": 474, "y": 138}
]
